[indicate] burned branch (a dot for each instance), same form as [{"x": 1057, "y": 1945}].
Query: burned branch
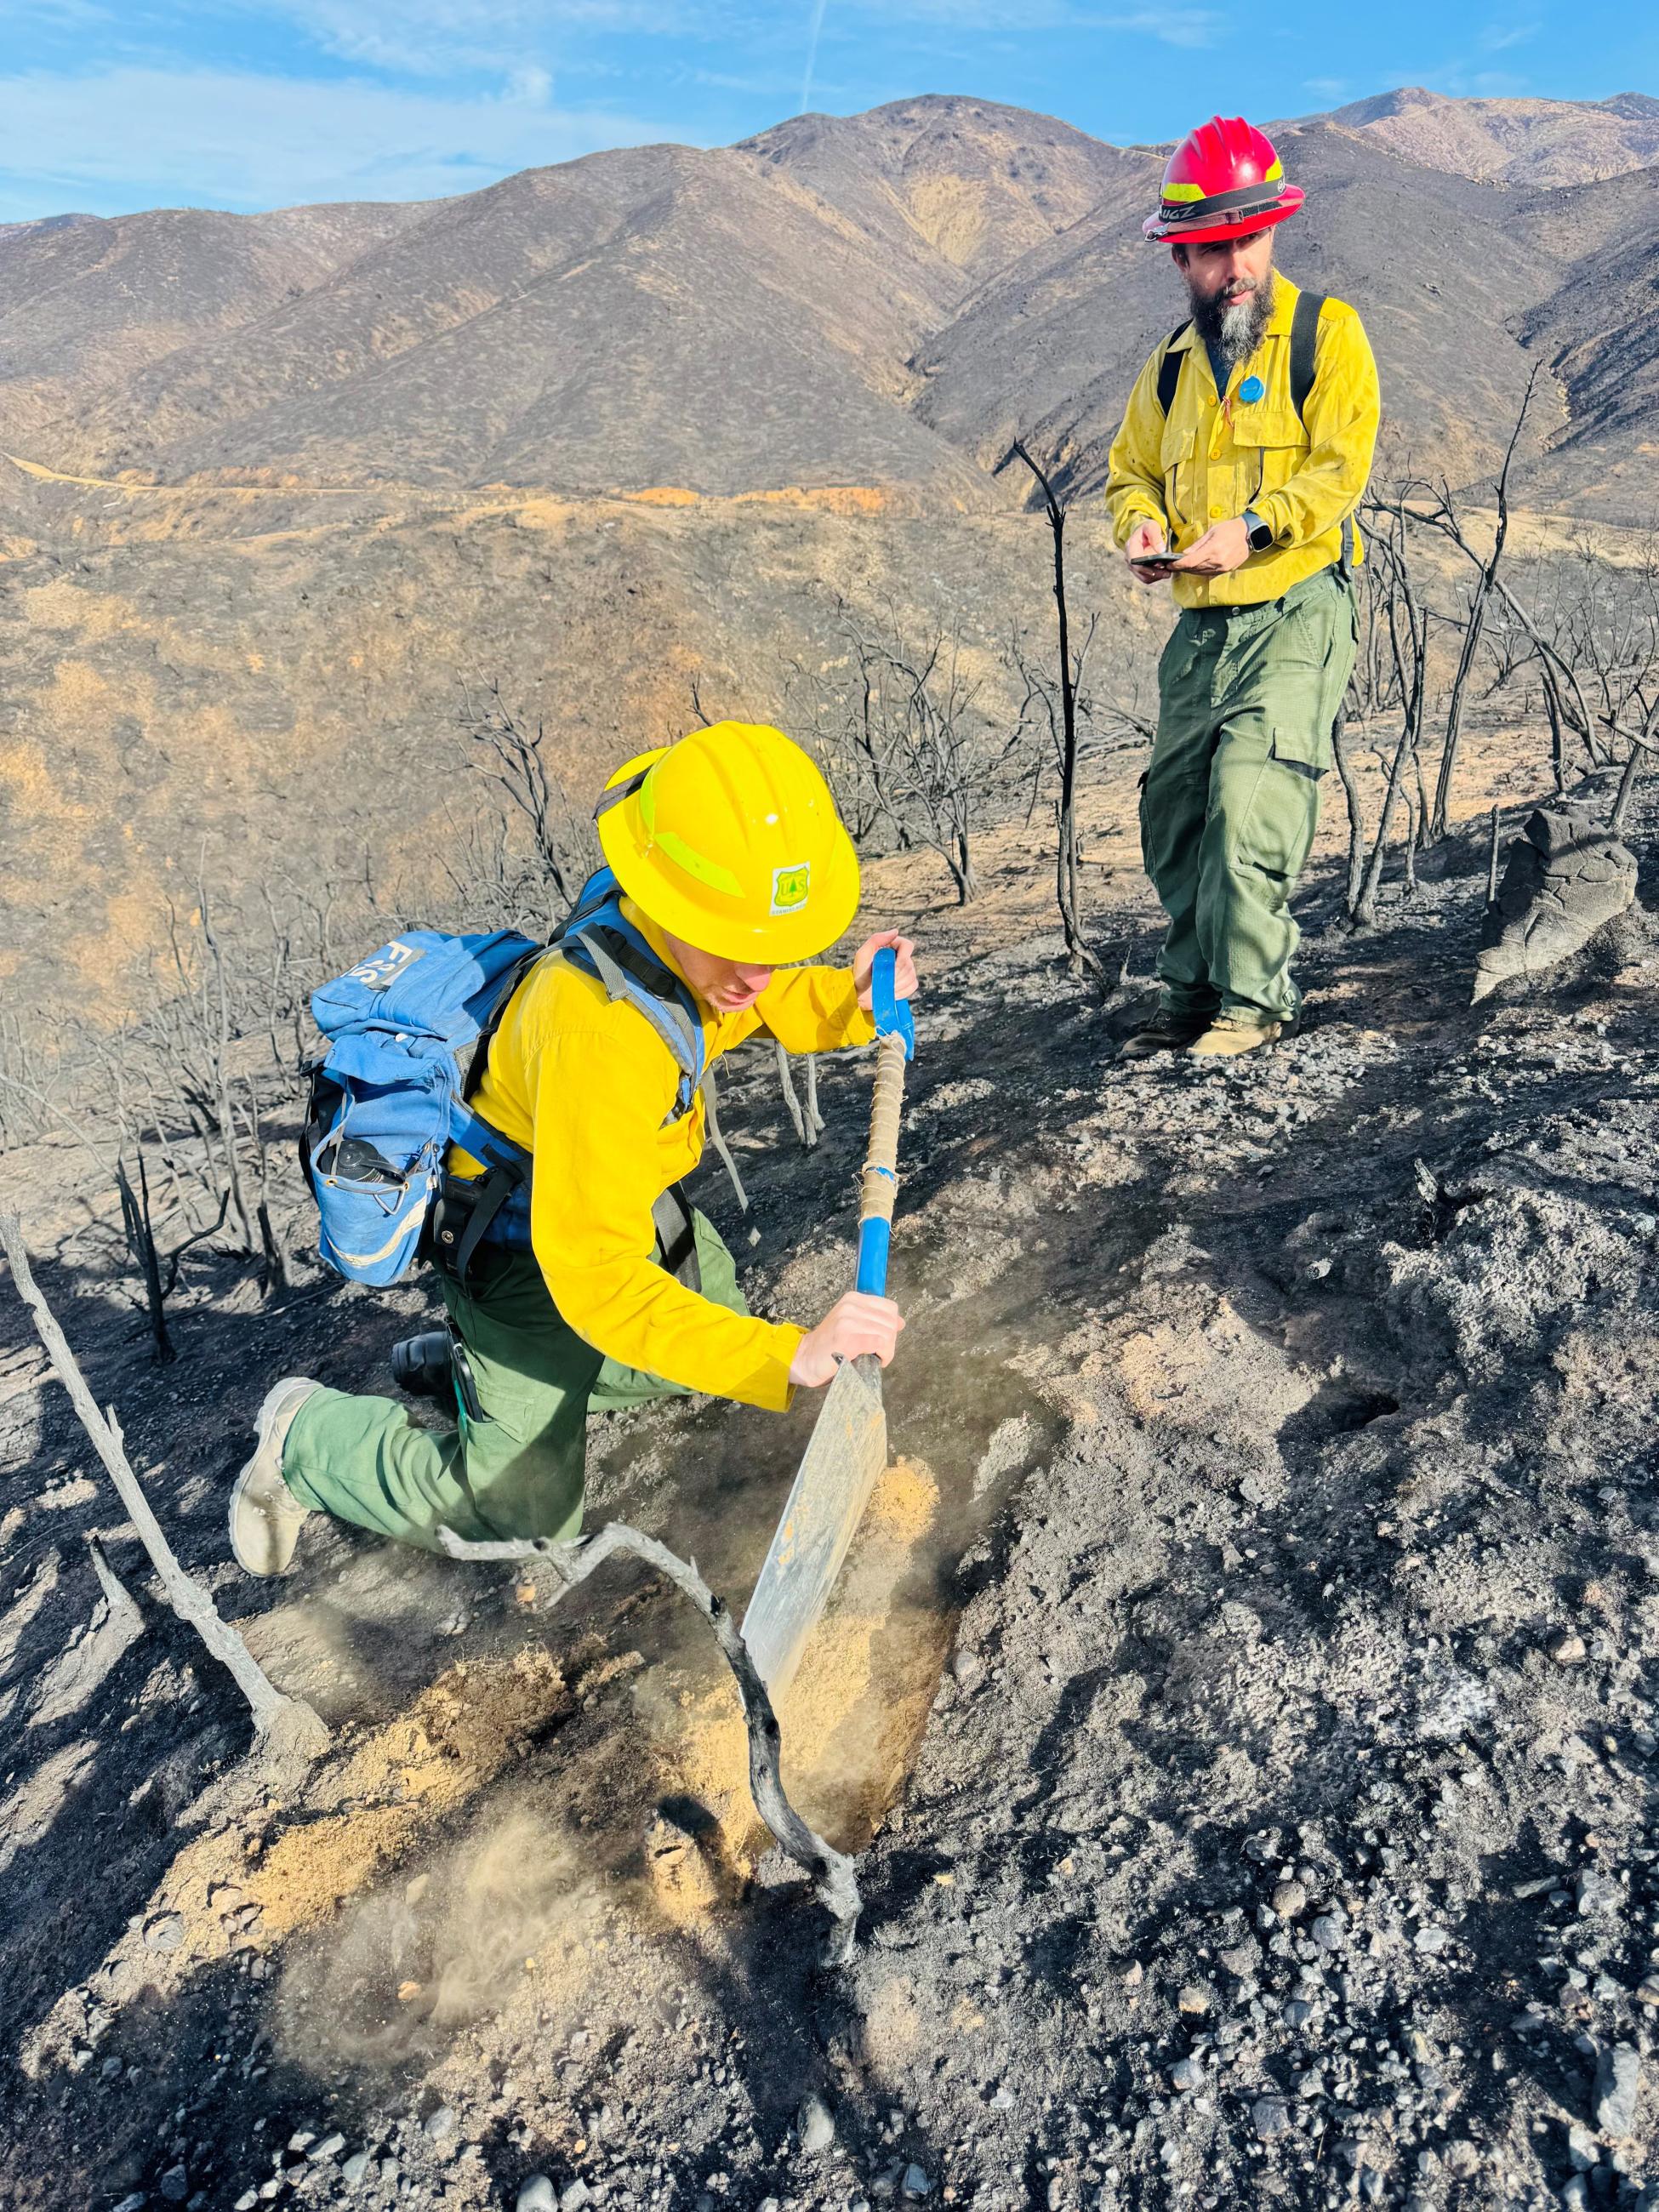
[
  {"x": 1071, "y": 665},
  {"x": 510, "y": 756},
  {"x": 287, "y": 1725}
]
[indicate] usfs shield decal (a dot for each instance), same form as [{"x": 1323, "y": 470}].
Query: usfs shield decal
[{"x": 790, "y": 887}]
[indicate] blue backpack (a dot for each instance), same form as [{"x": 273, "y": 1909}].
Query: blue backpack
[{"x": 389, "y": 1096}]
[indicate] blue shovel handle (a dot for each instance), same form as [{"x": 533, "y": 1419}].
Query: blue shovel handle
[{"x": 897, "y": 1043}]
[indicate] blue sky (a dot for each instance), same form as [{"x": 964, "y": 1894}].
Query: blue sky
[{"x": 112, "y": 105}]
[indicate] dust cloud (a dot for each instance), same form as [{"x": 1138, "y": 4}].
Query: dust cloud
[{"x": 643, "y": 1824}]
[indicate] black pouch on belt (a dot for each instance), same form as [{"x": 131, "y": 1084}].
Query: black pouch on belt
[{"x": 466, "y": 1207}]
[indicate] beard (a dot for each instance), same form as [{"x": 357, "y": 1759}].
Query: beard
[{"x": 1235, "y": 328}]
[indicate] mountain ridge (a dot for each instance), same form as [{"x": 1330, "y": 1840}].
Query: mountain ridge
[{"x": 871, "y": 299}]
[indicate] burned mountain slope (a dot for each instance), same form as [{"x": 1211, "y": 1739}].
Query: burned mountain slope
[
  {"x": 980, "y": 184},
  {"x": 659, "y": 316},
  {"x": 86, "y": 303}
]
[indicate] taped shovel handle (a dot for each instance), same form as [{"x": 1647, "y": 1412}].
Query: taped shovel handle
[{"x": 880, "y": 1182}]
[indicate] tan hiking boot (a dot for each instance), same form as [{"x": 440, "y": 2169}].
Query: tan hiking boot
[
  {"x": 265, "y": 1516},
  {"x": 1164, "y": 1033},
  {"x": 1226, "y": 1039}
]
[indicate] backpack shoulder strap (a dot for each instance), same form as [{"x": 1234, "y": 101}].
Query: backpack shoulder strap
[
  {"x": 1169, "y": 370},
  {"x": 625, "y": 965},
  {"x": 1304, "y": 348},
  {"x": 1304, "y": 351}
]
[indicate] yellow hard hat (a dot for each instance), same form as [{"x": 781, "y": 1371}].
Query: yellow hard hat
[{"x": 730, "y": 839}]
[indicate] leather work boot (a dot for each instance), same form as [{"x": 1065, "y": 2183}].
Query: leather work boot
[
  {"x": 265, "y": 1516},
  {"x": 1226, "y": 1039},
  {"x": 1164, "y": 1033}
]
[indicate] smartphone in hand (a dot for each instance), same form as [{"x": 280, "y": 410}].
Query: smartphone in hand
[{"x": 1166, "y": 559}]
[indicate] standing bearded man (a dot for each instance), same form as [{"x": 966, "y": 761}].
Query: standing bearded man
[{"x": 1242, "y": 456}]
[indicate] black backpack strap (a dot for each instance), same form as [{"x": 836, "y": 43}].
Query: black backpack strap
[
  {"x": 1304, "y": 351},
  {"x": 1169, "y": 370},
  {"x": 1304, "y": 348},
  {"x": 676, "y": 1237},
  {"x": 618, "y": 793},
  {"x": 494, "y": 1191}
]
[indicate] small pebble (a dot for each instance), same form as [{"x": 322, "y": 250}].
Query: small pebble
[
  {"x": 1271, "y": 2117},
  {"x": 916, "y": 2184},
  {"x": 355, "y": 2168},
  {"x": 175, "y": 2185},
  {"x": 166, "y": 1932},
  {"x": 575, "y": 2194},
  {"x": 1330, "y": 1931},
  {"x": 1430, "y": 1940},
  {"x": 1186, "y": 2073},
  {"x": 816, "y": 2125},
  {"x": 1618, "y": 2084},
  {"x": 329, "y": 2146},
  {"x": 1568, "y": 1649},
  {"x": 1193, "y": 1999},
  {"x": 1289, "y": 1898},
  {"x": 538, "y": 2194},
  {"x": 440, "y": 2124}
]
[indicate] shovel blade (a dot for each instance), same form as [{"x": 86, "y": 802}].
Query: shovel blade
[{"x": 832, "y": 1486}]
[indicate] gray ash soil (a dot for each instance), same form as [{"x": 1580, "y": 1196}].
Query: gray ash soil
[{"x": 1280, "y": 1828}]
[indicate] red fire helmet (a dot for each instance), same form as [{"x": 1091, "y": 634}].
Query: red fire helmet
[{"x": 1224, "y": 180}]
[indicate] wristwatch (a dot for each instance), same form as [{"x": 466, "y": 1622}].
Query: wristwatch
[{"x": 1261, "y": 534}]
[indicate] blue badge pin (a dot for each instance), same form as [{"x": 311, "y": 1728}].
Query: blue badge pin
[{"x": 1251, "y": 390}]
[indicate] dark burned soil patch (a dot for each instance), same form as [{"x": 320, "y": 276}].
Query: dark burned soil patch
[{"x": 1268, "y": 1638}]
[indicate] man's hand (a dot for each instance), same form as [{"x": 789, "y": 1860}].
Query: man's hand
[
  {"x": 904, "y": 971},
  {"x": 1224, "y": 547},
  {"x": 855, "y": 1324},
  {"x": 1146, "y": 537}
]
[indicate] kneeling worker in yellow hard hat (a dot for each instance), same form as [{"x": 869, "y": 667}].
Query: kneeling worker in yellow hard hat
[{"x": 727, "y": 859}]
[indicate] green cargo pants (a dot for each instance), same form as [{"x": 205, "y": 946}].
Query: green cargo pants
[
  {"x": 1246, "y": 699},
  {"x": 518, "y": 1472}
]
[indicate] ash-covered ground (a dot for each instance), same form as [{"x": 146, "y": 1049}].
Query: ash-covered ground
[{"x": 1243, "y": 1698}]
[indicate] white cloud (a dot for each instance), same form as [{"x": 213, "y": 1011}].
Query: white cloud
[
  {"x": 1173, "y": 26},
  {"x": 438, "y": 36},
  {"x": 1498, "y": 41},
  {"x": 223, "y": 138}
]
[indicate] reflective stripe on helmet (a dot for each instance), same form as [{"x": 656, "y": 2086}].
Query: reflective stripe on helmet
[{"x": 683, "y": 855}]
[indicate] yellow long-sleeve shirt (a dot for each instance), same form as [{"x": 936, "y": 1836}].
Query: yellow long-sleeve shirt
[
  {"x": 1216, "y": 454},
  {"x": 584, "y": 1082}
]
